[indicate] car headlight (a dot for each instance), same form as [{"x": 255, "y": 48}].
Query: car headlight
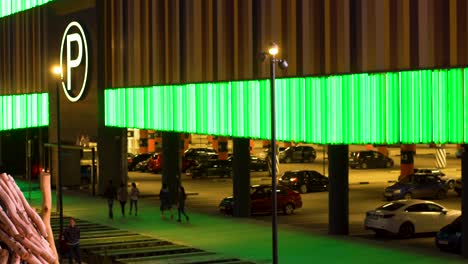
[{"x": 397, "y": 191}]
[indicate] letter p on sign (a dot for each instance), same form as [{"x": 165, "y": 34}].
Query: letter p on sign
[{"x": 72, "y": 63}]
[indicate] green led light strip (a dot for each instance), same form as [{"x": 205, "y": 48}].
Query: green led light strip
[
  {"x": 420, "y": 106},
  {"x": 24, "y": 111},
  {"x": 9, "y": 7}
]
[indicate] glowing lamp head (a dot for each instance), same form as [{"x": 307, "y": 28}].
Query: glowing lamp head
[
  {"x": 56, "y": 70},
  {"x": 273, "y": 49}
]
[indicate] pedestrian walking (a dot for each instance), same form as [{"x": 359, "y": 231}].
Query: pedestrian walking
[
  {"x": 134, "y": 193},
  {"x": 110, "y": 194},
  {"x": 72, "y": 237},
  {"x": 122, "y": 196},
  {"x": 165, "y": 199},
  {"x": 181, "y": 205}
]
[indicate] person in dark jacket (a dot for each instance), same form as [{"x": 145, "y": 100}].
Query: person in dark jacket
[
  {"x": 181, "y": 206},
  {"x": 72, "y": 237},
  {"x": 122, "y": 196},
  {"x": 110, "y": 194}
]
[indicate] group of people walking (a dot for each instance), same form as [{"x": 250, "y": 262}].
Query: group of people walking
[{"x": 121, "y": 194}]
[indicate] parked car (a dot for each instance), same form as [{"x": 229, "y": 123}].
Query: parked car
[
  {"x": 142, "y": 166},
  {"x": 260, "y": 200},
  {"x": 137, "y": 159},
  {"x": 449, "y": 238},
  {"x": 305, "y": 180},
  {"x": 199, "y": 153},
  {"x": 221, "y": 168},
  {"x": 407, "y": 217},
  {"x": 369, "y": 159},
  {"x": 450, "y": 181},
  {"x": 417, "y": 185},
  {"x": 155, "y": 163},
  {"x": 256, "y": 164},
  {"x": 458, "y": 186},
  {"x": 298, "y": 154},
  {"x": 130, "y": 157}
]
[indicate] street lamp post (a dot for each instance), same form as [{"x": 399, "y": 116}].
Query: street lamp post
[
  {"x": 58, "y": 73},
  {"x": 273, "y": 51}
]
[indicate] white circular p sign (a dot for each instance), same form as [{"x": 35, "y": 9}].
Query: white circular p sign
[{"x": 80, "y": 39}]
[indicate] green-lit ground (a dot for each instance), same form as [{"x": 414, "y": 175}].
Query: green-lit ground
[{"x": 244, "y": 238}]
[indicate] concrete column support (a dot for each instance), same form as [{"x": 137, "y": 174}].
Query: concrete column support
[
  {"x": 338, "y": 206},
  {"x": 171, "y": 162},
  {"x": 464, "y": 201},
  {"x": 223, "y": 152},
  {"x": 143, "y": 141},
  {"x": 112, "y": 157},
  {"x": 241, "y": 177},
  {"x": 407, "y": 158}
]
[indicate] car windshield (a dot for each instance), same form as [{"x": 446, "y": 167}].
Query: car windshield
[
  {"x": 289, "y": 174},
  {"x": 391, "y": 206},
  {"x": 405, "y": 179}
]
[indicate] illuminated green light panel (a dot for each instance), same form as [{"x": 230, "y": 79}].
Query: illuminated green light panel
[
  {"x": 24, "y": 111},
  {"x": 420, "y": 106},
  {"x": 9, "y": 7}
]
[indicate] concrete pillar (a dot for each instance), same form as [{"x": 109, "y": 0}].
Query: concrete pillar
[
  {"x": 383, "y": 150},
  {"x": 338, "y": 207},
  {"x": 171, "y": 162},
  {"x": 252, "y": 146},
  {"x": 241, "y": 177},
  {"x": 441, "y": 156},
  {"x": 143, "y": 141},
  {"x": 223, "y": 152},
  {"x": 151, "y": 146},
  {"x": 464, "y": 201},
  {"x": 157, "y": 141},
  {"x": 407, "y": 158},
  {"x": 112, "y": 156}
]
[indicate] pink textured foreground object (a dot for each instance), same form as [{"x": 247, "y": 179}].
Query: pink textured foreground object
[{"x": 27, "y": 236}]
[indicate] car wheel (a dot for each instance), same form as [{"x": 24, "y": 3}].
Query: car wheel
[
  {"x": 451, "y": 184},
  {"x": 303, "y": 188},
  {"x": 364, "y": 165},
  {"x": 406, "y": 230},
  {"x": 408, "y": 196},
  {"x": 288, "y": 209},
  {"x": 288, "y": 160},
  {"x": 458, "y": 192},
  {"x": 441, "y": 194}
]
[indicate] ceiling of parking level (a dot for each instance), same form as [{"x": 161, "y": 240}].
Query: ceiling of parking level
[{"x": 419, "y": 106}]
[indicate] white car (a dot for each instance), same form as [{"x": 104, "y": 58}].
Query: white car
[{"x": 406, "y": 217}]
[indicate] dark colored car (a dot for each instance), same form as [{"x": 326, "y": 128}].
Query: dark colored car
[
  {"x": 137, "y": 159},
  {"x": 369, "y": 159},
  {"x": 298, "y": 154},
  {"x": 450, "y": 236},
  {"x": 199, "y": 153},
  {"x": 256, "y": 164},
  {"x": 221, "y": 168},
  {"x": 418, "y": 185},
  {"x": 142, "y": 166},
  {"x": 260, "y": 200},
  {"x": 305, "y": 180}
]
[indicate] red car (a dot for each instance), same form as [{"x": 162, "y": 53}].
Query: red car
[
  {"x": 155, "y": 163},
  {"x": 260, "y": 200}
]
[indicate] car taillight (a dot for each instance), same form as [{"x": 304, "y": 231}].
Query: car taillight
[
  {"x": 388, "y": 216},
  {"x": 293, "y": 179}
]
